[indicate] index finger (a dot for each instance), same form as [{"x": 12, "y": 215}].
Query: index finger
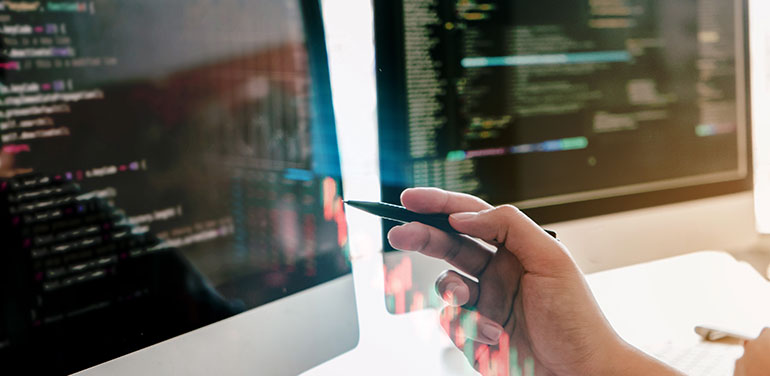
[
  {"x": 434, "y": 200},
  {"x": 537, "y": 251}
]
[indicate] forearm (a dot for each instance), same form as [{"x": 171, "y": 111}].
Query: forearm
[{"x": 629, "y": 360}]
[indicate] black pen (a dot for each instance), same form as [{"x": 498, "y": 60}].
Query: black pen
[{"x": 403, "y": 215}]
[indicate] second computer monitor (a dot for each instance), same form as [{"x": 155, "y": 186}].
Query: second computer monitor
[{"x": 566, "y": 109}]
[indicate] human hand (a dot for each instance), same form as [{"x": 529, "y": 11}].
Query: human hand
[
  {"x": 529, "y": 307},
  {"x": 756, "y": 356}
]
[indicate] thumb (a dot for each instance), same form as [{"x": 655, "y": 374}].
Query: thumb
[{"x": 537, "y": 251}]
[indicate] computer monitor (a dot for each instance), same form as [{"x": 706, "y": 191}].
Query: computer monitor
[
  {"x": 565, "y": 109},
  {"x": 165, "y": 166}
]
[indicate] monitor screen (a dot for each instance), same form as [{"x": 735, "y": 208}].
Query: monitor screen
[
  {"x": 164, "y": 165},
  {"x": 565, "y": 109}
]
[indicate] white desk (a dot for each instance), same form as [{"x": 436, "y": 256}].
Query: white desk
[
  {"x": 664, "y": 300},
  {"x": 648, "y": 304}
]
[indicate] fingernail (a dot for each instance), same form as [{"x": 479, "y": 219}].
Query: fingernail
[
  {"x": 464, "y": 216},
  {"x": 451, "y": 290},
  {"x": 399, "y": 239},
  {"x": 491, "y": 331},
  {"x": 391, "y": 231}
]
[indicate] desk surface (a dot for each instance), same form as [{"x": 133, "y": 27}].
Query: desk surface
[
  {"x": 664, "y": 300},
  {"x": 648, "y": 304}
]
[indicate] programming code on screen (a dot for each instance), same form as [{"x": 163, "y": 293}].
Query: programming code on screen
[
  {"x": 163, "y": 165},
  {"x": 554, "y": 102}
]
